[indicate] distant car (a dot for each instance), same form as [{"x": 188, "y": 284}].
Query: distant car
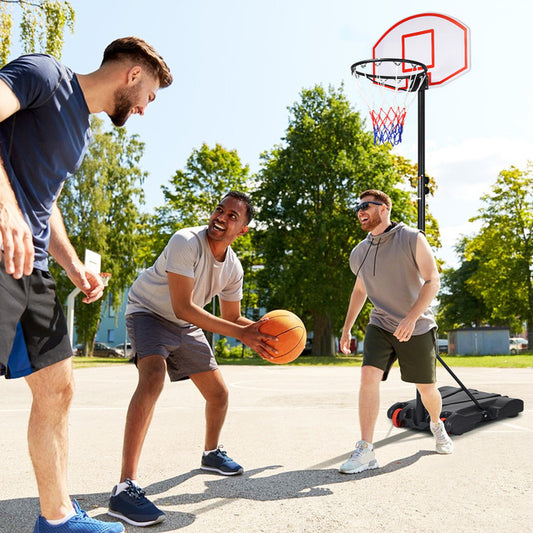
[
  {"x": 517, "y": 345},
  {"x": 103, "y": 350},
  {"x": 120, "y": 349},
  {"x": 78, "y": 350},
  {"x": 308, "y": 347},
  {"x": 442, "y": 344}
]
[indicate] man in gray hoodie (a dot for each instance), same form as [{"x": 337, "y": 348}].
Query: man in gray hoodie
[{"x": 396, "y": 270}]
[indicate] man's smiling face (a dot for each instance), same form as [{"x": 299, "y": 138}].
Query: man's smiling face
[
  {"x": 371, "y": 217},
  {"x": 228, "y": 221}
]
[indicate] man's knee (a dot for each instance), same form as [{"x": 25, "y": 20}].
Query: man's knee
[
  {"x": 371, "y": 376},
  {"x": 53, "y": 386},
  {"x": 152, "y": 373},
  {"x": 212, "y": 387}
]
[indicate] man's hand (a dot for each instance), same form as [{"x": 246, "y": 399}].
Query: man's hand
[
  {"x": 16, "y": 241},
  {"x": 344, "y": 343},
  {"x": 89, "y": 283},
  {"x": 261, "y": 343},
  {"x": 405, "y": 329}
]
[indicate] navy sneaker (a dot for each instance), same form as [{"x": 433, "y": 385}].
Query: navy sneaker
[
  {"x": 80, "y": 523},
  {"x": 132, "y": 506},
  {"x": 218, "y": 461}
]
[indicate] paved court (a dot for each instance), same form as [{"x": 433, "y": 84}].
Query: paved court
[{"x": 290, "y": 427}]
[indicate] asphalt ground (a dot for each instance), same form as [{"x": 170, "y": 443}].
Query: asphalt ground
[{"x": 290, "y": 427}]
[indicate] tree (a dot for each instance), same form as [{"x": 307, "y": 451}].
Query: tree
[
  {"x": 504, "y": 277},
  {"x": 42, "y": 26},
  {"x": 308, "y": 187},
  {"x": 100, "y": 207},
  {"x": 193, "y": 194},
  {"x": 459, "y": 304}
]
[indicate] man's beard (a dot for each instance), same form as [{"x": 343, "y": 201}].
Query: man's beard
[
  {"x": 123, "y": 106},
  {"x": 370, "y": 224}
]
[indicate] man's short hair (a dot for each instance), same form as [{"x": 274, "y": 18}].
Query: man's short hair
[
  {"x": 246, "y": 200},
  {"x": 140, "y": 51},
  {"x": 379, "y": 196}
]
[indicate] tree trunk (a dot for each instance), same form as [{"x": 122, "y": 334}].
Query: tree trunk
[{"x": 323, "y": 342}]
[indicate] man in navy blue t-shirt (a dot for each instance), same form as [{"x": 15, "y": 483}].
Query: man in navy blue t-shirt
[{"x": 45, "y": 113}]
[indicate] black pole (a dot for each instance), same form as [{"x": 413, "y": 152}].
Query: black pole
[
  {"x": 422, "y": 157},
  {"x": 420, "y": 411}
]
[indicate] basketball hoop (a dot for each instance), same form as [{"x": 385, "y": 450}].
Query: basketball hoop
[
  {"x": 394, "y": 85},
  {"x": 105, "y": 276}
]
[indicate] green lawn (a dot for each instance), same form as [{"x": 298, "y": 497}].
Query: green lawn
[{"x": 487, "y": 361}]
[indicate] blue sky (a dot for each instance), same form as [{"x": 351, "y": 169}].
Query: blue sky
[{"x": 239, "y": 64}]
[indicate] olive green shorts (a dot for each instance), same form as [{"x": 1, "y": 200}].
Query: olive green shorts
[{"x": 416, "y": 357}]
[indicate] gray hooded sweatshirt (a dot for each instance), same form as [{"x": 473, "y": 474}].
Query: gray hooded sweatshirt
[{"x": 387, "y": 266}]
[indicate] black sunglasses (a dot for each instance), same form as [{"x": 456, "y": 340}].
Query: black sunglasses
[{"x": 365, "y": 205}]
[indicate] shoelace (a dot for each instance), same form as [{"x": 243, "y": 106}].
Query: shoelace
[
  {"x": 134, "y": 491},
  {"x": 358, "y": 452},
  {"x": 440, "y": 434}
]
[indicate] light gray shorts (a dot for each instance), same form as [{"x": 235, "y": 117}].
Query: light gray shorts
[{"x": 185, "y": 349}]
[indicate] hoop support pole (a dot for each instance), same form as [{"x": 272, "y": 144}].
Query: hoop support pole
[
  {"x": 420, "y": 411},
  {"x": 421, "y": 157}
]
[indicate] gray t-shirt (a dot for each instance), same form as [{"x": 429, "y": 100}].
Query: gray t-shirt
[
  {"x": 188, "y": 254},
  {"x": 387, "y": 266}
]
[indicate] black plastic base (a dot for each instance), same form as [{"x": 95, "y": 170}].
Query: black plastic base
[{"x": 459, "y": 412}]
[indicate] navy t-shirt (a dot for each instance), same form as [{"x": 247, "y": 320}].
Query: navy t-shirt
[{"x": 42, "y": 144}]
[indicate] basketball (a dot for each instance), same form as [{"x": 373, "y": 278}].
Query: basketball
[{"x": 291, "y": 334}]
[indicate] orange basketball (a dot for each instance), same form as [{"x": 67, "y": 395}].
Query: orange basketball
[{"x": 291, "y": 334}]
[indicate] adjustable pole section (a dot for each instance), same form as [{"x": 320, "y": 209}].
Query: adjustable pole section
[{"x": 420, "y": 411}]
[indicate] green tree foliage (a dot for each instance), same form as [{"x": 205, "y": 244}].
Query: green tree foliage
[
  {"x": 504, "y": 248},
  {"x": 308, "y": 188},
  {"x": 194, "y": 192},
  {"x": 460, "y": 305},
  {"x": 100, "y": 207},
  {"x": 42, "y": 26}
]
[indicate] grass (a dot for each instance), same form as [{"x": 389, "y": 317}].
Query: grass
[{"x": 483, "y": 361}]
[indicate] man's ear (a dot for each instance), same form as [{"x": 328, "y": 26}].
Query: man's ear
[
  {"x": 243, "y": 231},
  {"x": 134, "y": 74}
]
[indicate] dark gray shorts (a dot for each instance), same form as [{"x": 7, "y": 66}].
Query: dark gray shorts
[
  {"x": 33, "y": 328},
  {"x": 416, "y": 357},
  {"x": 185, "y": 349}
]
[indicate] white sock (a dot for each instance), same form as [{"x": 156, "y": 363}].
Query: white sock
[
  {"x": 62, "y": 520},
  {"x": 123, "y": 486},
  {"x": 207, "y": 452},
  {"x": 435, "y": 425}
]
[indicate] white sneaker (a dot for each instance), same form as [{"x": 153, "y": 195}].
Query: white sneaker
[
  {"x": 443, "y": 443},
  {"x": 362, "y": 459}
]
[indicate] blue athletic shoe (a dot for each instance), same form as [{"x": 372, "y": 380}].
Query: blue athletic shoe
[
  {"x": 80, "y": 523},
  {"x": 132, "y": 506},
  {"x": 218, "y": 461}
]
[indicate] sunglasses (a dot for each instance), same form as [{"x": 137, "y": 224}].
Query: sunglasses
[{"x": 365, "y": 205}]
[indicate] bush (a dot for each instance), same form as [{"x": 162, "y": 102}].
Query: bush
[
  {"x": 222, "y": 348},
  {"x": 224, "y": 351}
]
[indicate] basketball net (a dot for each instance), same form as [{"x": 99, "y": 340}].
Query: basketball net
[{"x": 388, "y": 87}]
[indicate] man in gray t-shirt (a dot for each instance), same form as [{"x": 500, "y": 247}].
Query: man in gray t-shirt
[
  {"x": 396, "y": 271},
  {"x": 165, "y": 317}
]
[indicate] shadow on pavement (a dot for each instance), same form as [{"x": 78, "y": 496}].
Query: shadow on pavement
[{"x": 252, "y": 485}]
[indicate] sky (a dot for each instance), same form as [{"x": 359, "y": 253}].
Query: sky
[{"x": 238, "y": 65}]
